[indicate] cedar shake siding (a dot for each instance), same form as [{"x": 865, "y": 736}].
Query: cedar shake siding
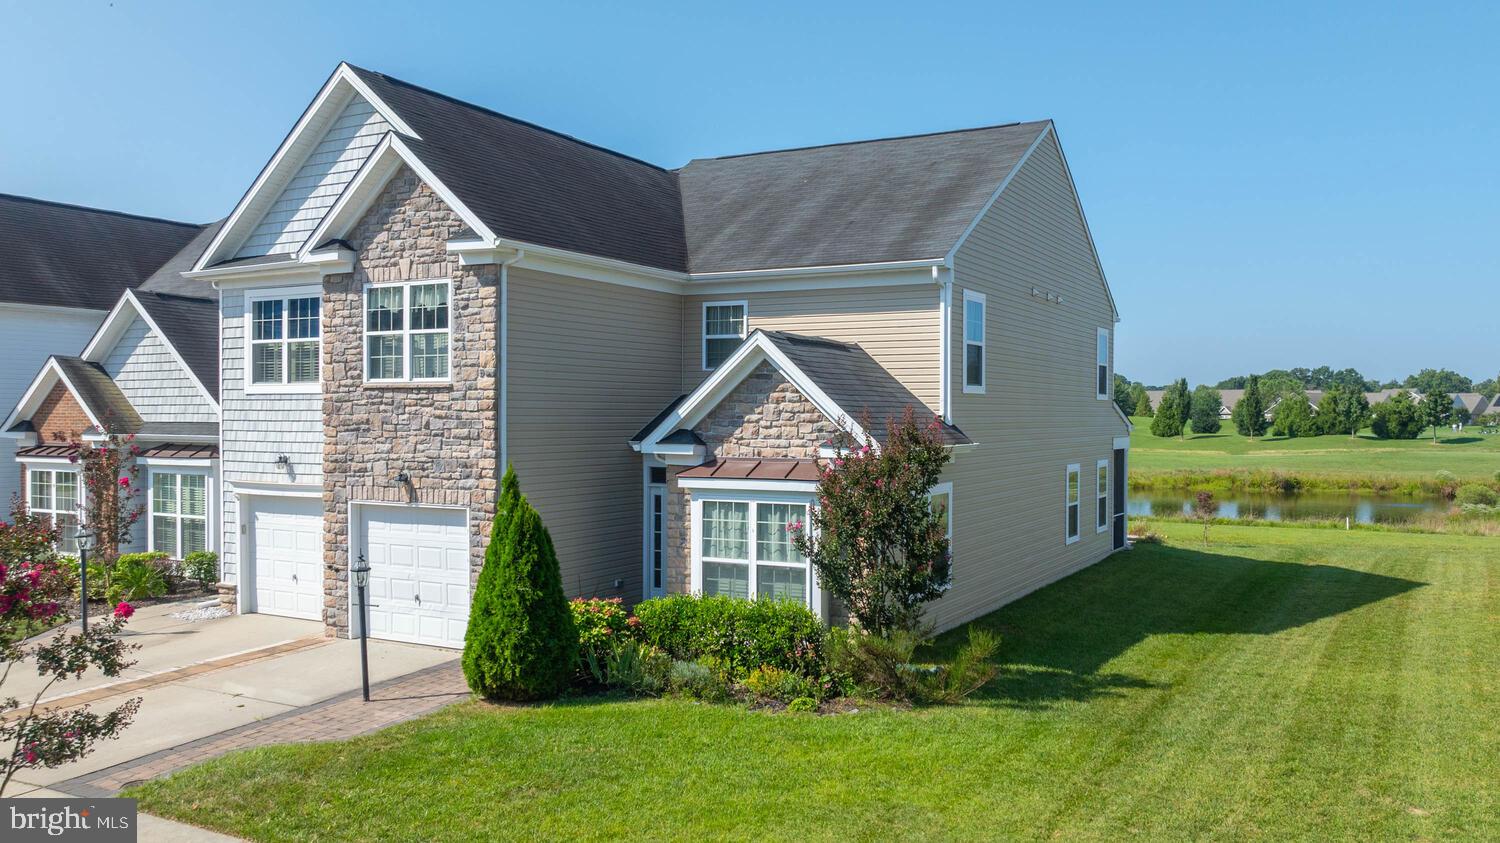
[
  {"x": 898, "y": 326},
  {"x": 587, "y": 363},
  {"x": 1039, "y": 412},
  {"x": 443, "y": 436}
]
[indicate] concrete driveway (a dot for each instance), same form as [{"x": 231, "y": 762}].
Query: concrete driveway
[{"x": 199, "y": 678}]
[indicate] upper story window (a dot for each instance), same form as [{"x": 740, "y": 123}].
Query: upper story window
[
  {"x": 1075, "y": 476},
  {"x": 723, "y": 330},
  {"x": 1101, "y": 361},
  {"x": 407, "y": 332},
  {"x": 286, "y": 340},
  {"x": 974, "y": 316},
  {"x": 54, "y": 493}
]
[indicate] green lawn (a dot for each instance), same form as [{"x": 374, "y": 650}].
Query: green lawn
[
  {"x": 1470, "y": 455},
  {"x": 1284, "y": 683}
]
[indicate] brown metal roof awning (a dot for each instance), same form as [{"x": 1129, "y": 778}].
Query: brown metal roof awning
[
  {"x": 52, "y": 451},
  {"x": 182, "y": 452},
  {"x": 757, "y": 469}
]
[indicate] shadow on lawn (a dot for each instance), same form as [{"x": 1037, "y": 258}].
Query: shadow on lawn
[{"x": 1054, "y": 641}]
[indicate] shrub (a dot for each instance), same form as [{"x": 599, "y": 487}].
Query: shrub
[
  {"x": 521, "y": 643},
  {"x": 600, "y": 622},
  {"x": 882, "y": 666},
  {"x": 773, "y": 683},
  {"x": 631, "y": 666},
  {"x": 698, "y": 680},
  {"x": 1204, "y": 406},
  {"x": 1476, "y": 494},
  {"x": 202, "y": 566},
  {"x": 136, "y": 579},
  {"x": 740, "y": 634},
  {"x": 802, "y": 704}
]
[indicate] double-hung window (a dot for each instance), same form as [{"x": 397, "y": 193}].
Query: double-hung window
[
  {"x": 747, "y": 549},
  {"x": 285, "y": 341},
  {"x": 1075, "y": 474},
  {"x": 179, "y": 513},
  {"x": 974, "y": 315},
  {"x": 53, "y": 493},
  {"x": 407, "y": 332},
  {"x": 1101, "y": 363},
  {"x": 1101, "y": 491},
  {"x": 723, "y": 331},
  {"x": 941, "y": 501}
]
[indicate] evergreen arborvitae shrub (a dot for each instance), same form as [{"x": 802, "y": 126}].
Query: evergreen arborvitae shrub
[{"x": 521, "y": 643}]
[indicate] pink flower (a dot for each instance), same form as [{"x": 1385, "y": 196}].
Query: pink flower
[
  {"x": 124, "y": 482},
  {"x": 124, "y": 610}
]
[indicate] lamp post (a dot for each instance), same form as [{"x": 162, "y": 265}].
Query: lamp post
[
  {"x": 360, "y": 573},
  {"x": 85, "y": 538}
]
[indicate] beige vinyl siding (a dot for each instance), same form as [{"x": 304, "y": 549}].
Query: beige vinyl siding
[
  {"x": 898, "y": 326},
  {"x": 588, "y": 365},
  {"x": 1039, "y": 412}
]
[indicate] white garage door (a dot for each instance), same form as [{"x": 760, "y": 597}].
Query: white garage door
[
  {"x": 287, "y": 543},
  {"x": 419, "y": 573}
]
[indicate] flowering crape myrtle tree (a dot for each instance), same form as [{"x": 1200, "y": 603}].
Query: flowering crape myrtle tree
[
  {"x": 875, "y": 540},
  {"x": 111, "y": 505},
  {"x": 33, "y": 588}
]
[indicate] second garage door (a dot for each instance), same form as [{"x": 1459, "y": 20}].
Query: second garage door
[
  {"x": 419, "y": 573},
  {"x": 287, "y": 543}
]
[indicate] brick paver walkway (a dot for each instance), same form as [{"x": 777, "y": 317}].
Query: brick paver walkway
[{"x": 345, "y": 716}]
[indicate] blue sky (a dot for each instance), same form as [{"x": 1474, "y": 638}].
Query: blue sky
[{"x": 1269, "y": 187}]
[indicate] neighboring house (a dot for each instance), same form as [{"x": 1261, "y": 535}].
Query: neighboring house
[
  {"x": 416, "y": 292},
  {"x": 150, "y": 372},
  {"x": 1475, "y": 403},
  {"x": 62, "y": 267}
]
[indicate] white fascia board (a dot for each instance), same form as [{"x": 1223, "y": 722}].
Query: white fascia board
[
  {"x": 205, "y": 464},
  {"x": 741, "y": 485},
  {"x": 114, "y": 327},
  {"x": 45, "y": 462},
  {"x": 804, "y": 271},
  {"x": 330, "y": 99},
  {"x": 716, "y": 387},
  {"x": 253, "y": 273},
  {"x": 277, "y": 490},
  {"x": 995, "y": 197},
  {"x": 592, "y": 267},
  {"x": 1121, "y": 413},
  {"x": 50, "y": 375}
]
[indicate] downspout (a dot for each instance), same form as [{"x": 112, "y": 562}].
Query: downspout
[{"x": 943, "y": 276}]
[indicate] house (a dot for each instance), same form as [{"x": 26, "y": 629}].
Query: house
[
  {"x": 417, "y": 291},
  {"x": 62, "y": 268},
  {"x": 1472, "y": 402},
  {"x": 149, "y": 372}
]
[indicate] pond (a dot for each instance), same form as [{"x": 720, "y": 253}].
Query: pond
[{"x": 1362, "y": 507}]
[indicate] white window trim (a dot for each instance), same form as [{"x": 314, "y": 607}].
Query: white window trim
[
  {"x": 984, "y": 364},
  {"x": 284, "y": 294},
  {"x": 209, "y": 533},
  {"x": 946, "y": 488},
  {"x": 61, "y": 467},
  {"x": 703, "y": 327},
  {"x": 655, "y": 491},
  {"x": 1073, "y": 468},
  {"x": 405, "y": 333},
  {"x": 1101, "y": 343},
  {"x": 814, "y": 590},
  {"x": 1101, "y": 496}
]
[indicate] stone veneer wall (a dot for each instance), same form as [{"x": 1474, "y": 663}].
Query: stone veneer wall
[
  {"x": 765, "y": 416},
  {"x": 443, "y": 436}
]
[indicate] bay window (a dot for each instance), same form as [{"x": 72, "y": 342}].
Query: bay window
[
  {"x": 746, "y": 549},
  {"x": 179, "y": 513},
  {"x": 285, "y": 341},
  {"x": 407, "y": 332},
  {"x": 53, "y": 494}
]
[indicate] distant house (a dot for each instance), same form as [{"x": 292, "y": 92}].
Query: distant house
[{"x": 1474, "y": 402}]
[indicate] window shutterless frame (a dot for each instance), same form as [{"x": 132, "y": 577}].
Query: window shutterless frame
[
  {"x": 173, "y": 525},
  {"x": 1073, "y": 492},
  {"x": 941, "y": 495},
  {"x": 55, "y": 493},
  {"x": 408, "y": 332},
  {"x": 1101, "y": 365},
  {"x": 976, "y": 313},
  {"x": 759, "y": 545},
  {"x": 725, "y": 325},
  {"x": 281, "y": 325},
  {"x": 1101, "y": 492}
]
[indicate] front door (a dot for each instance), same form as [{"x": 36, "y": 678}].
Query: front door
[{"x": 1119, "y": 498}]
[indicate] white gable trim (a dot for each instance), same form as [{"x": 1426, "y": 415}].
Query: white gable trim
[
  {"x": 756, "y": 348},
  {"x": 41, "y": 385},
  {"x": 372, "y": 178},
  {"x": 341, "y": 86},
  {"x": 114, "y": 327},
  {"x": 1088, "y": 235}
]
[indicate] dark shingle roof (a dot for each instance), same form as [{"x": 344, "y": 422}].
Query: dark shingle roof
[
  {"x": 168, "y": 277},
  {"x": 70, "y": 256},
  {"x": 168, "y": 430},
  {"x": 192, "y": 327},
  {"x": 882, "y": 200},
  {"x": 99, "y": 394},
  {"x": 850, "y": 376},
  {"x": 538, "y": 186}
]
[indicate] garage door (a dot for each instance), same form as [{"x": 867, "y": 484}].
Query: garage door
[
  {"x": 287, "y": 548},
  {"x": 419, "y": 573}
]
